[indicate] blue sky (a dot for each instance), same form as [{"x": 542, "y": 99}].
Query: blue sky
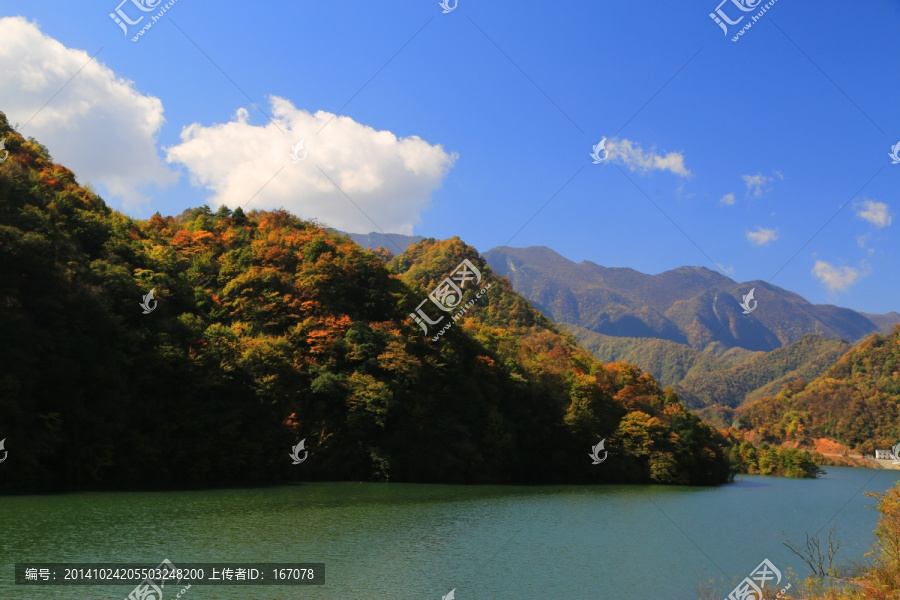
[{"x": 478, "y": 121}]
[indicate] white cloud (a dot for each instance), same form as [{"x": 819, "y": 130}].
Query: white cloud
[
  {"x": 98, "y": 125},
  {"x": 755, "y": 184},
  {"x": 762, "y": 236},
  {"x": 636, "y": 158},
  {"x": 389, "y": 178},
  {"x": 835, "y": 278},
  {"x": 875, "y": 213},
  {"x": 727, "y": 199}
]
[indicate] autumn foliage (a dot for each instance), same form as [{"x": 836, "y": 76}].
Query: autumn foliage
[
  {"x": 856, "y": 402},
  {"x": 269, "y": 330}
]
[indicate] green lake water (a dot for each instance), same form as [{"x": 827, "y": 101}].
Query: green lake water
[{"x": 417, "y": 542}]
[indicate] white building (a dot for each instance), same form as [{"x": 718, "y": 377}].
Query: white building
[{"x": 883, "y": 455}]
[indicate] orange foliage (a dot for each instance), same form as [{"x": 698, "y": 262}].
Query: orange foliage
[
  {"x": 192, "y": 242},
  {"x": 320, "y": 341}
]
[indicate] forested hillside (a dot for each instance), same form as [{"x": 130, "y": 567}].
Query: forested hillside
[
  {"x": 761, "y": 374},
  {"x": 856, "y": 402},
  {"x": 716, "y": 375},
  {"x": 670, "y": 362},
  {"x": 266, "y": 330}
]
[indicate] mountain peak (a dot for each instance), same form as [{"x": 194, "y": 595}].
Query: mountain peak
[{"x": 691, "y": 305}]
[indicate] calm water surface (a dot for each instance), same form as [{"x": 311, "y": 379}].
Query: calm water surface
[{"x": 407, "y": 541}]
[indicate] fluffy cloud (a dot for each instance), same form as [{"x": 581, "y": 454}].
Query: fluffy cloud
[
  {"x": 98, "y": 124},
  {"x": 388, "y": 178},
  {"x": 875, "y": 213},
  {"x": 727, "y": 199},
  {"x": 836, "y": 279},
  {"x": 755, "y": 184},
  {"x": 762, "y": 236},
  {"x": 636, "y": 158}
]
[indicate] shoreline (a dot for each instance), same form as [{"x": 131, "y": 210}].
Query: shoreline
[{"x": 858, "y": 460}]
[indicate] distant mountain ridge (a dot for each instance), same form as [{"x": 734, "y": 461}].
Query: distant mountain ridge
[
  {"x": 397, "y": 243},
  {"x": 688, "y": 305}
]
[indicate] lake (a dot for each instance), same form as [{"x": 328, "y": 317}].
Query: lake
[{"x": 411, "y": 541}]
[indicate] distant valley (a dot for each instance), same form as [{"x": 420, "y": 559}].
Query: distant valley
[{"x": 729, "y": 378}]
